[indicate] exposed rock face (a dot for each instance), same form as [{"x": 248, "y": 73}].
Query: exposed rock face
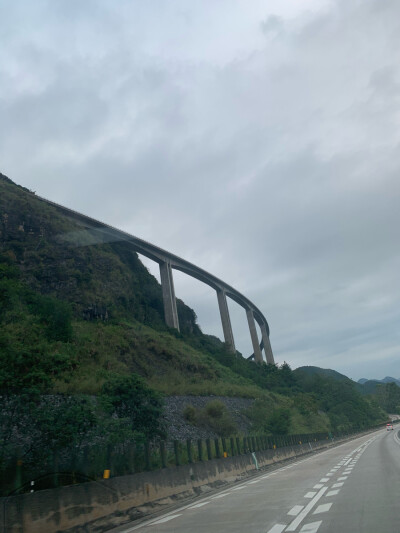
[{"x": 179, "y": 428}]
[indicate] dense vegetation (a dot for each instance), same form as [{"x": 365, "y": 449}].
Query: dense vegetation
[
  {"x": 85, "y": 354},
  {"x": 388, "y": 397}
]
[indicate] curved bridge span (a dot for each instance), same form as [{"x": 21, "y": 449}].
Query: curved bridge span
[{"x": 94, "y": 232}]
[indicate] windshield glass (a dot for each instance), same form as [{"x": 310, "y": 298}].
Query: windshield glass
[{"x": 199, "y": 266}]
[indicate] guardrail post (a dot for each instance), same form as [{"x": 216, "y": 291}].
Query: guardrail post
[
  {"x": 232, "y": 442},
  {"x": 147, "y": 455},
  {"x": 176, "y": 451},
  {"x": 217, "y": 451},
  {"x": 200, "y": 449},
  {"x": 224, "y": 450},
  {"x": 55, "y": 468},
  {"x": 238, "y": 446},
  {"x": 18, "y": 472},
  {"x": 189, "y": 451},
  {"x": 208, "y": 445},
  {"x": 163, "y": 455}
]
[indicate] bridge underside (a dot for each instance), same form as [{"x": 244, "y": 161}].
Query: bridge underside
[{"x": 94, "y": 231}]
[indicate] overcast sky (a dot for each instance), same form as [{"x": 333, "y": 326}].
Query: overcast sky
[{"x": 256, "y": 139}]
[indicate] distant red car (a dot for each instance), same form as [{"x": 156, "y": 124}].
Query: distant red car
[{"x": 389, "y": 426}]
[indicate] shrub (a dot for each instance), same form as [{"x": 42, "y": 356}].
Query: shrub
[
  {"x": 279, "y": 422},
  {"x": 215, "y": 416},
  {"x": 190, "y": 414},
  {"x": 215, "y": 409},
  {"x": 128, "y": 397}
]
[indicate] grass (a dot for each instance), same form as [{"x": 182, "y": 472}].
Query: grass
[{"x": 168, "y": 364}]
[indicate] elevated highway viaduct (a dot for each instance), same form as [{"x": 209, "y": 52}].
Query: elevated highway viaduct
[{"x": 95, "y": 232}]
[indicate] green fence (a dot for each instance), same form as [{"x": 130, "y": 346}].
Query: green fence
[{"x": 96, "y": 462}]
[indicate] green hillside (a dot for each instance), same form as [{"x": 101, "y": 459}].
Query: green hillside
[{"x": 83, "y": 343}]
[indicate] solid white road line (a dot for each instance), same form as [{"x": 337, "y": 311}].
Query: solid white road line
[
  {"x": 166, "y": 519},
  {"x": 244, "y": 485},
  {"x": 198, "y": 505}
]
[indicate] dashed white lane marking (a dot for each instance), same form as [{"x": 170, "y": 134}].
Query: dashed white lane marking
[
  {"x": 239, "y": 488},
  {"x": 306, "y": 510},
  {"x": 318, "y": 486},
  {"x": 198, "y": 505},
  {"x": 324, "y": 480},
  {"x": 311, "y": 528},
  {"x": 322, "y": 508},
  {"x": 336, "y": 485},
  {"x": 294, "y": 511},
  {"x": 278, "y": 528},
  {"x": 342, "y": 478},
  {"x": 254, "y": 482},
  {"x": 332, "y": 492},
  {"x": 310, "y": 494},
  {"x": 220, "y": 496},
  {"x": 166, "y": 519}
]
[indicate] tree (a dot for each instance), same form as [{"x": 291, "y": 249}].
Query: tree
[{"x": 129, "y": 398}]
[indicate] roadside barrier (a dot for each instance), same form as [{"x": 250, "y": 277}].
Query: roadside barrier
[{"x": 99, "y": 461}]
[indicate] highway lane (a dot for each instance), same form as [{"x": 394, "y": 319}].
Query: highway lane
[{"x": 352, "y": 488}]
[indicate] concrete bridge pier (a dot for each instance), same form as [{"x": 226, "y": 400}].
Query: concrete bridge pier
[
  {"x": 225, "y": 319},
  {"x": 168, "y": 292},
  {"x": 267, "y": 345},
  {"x": 254, "y": 337}
]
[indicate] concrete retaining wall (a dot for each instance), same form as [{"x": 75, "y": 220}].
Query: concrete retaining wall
[{"x": 98, "y": 506}]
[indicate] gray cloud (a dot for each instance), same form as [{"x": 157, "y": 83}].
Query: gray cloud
[{"x": 261, "y": 145}]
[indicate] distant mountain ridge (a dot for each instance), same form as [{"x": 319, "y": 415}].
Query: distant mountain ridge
[
  {"x": 387, "y": 379},
  {"x": 325, "y": 372},
  {"x": 369, "y": 385}
]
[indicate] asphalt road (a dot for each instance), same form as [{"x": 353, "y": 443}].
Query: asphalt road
[{"x": 352, "y": 488}]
